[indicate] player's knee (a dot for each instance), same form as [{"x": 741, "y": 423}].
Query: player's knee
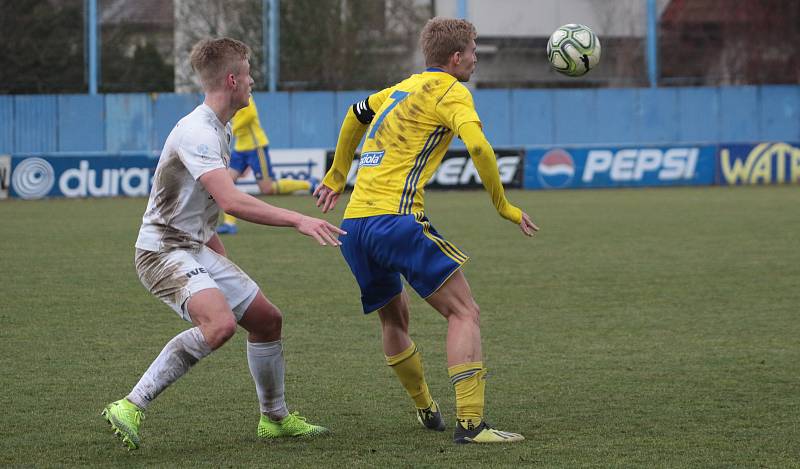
[
  {"x": 466, "y": 312},
  {"x": 463, "y": 311},
  {"x": 220, "y": 331},
  {"x": 472, "y": 312},
  {"x": 394, "y": 323},
  {"x": 270, "y": 320},
  {"x": 273, "y": 320}
]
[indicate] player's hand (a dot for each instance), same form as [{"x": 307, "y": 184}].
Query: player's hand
[
  {"x": 326, "y": 197},
  {"x": 527, "y": 226},
  {"x": 321, "y": 230}
]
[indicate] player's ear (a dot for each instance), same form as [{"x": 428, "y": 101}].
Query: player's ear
[
  {"x": 230, "y": 80},
  {"x": 456, "y": 57}
]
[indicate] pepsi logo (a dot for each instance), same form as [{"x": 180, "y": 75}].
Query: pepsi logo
[{"x": 556, "y": 169}]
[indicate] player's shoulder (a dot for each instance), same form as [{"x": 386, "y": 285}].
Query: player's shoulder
[
  {"x": 200, "y": 123},
  {"x": 198, "y": 132},
  {"x": 456, "y": 90}
]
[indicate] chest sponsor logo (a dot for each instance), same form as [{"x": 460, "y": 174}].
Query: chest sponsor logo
[{"x": 371, "y": 158}]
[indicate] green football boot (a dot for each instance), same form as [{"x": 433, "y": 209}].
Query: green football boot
[
  {"x": 125, "y": 418},
  {"x": 293, "y": 425},
  {"x": 431, "y": 418}
]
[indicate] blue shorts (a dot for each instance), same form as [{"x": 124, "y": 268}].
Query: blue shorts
[
  {"x": 381, "y": 248},
  {"x": 257, "y": 159}
]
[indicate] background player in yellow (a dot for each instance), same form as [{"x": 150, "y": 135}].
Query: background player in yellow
[
  {"x": 251, "y": 148},
  {"x": 408, "y": 129}
]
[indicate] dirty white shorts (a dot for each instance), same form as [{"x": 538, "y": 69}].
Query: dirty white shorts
[{"x": 174, "y": 276}]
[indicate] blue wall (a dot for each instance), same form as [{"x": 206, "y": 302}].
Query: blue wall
[{"x": 141, "y": 122}]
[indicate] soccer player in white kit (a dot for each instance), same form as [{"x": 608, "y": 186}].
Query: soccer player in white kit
[{"x": 181, "y": 260}]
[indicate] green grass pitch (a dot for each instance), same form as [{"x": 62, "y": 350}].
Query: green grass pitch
[{"x": 649, "y": 328}]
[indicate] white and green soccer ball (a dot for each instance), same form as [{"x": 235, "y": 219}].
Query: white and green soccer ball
[{"x": 573, "y": 49}]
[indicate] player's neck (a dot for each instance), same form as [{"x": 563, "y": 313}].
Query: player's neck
[
  {"x": 438, "y": 68},
  {"x": 449, "y": 69},
  {"x": 220, "y": 103}
]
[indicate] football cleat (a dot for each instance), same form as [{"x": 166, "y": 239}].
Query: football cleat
[
  {"x": 483, "y": 433},
  {"x": 293, "y": 425},
  {"x": 431, "y": 418},
  {"x": 125, "y": 418},
  {"x": 227, "y": 228}
]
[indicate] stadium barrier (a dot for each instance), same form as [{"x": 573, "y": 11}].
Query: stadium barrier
[
  {"x": 140, "y": 122},
  {"x": 36, "y": 176}
]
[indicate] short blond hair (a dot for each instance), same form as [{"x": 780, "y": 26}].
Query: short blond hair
[
  {"x": 213, "y": 59},
  {"x": 442, "y": 37}
]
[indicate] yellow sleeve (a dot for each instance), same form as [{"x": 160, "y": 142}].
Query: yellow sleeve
[
  {"x": 349, "y": 136},
  {"x": 356, "y": 121},
  {"x": 485, "y": 162}
]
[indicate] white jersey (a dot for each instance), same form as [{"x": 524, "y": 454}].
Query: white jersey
[{"x": 181, "y": 214}]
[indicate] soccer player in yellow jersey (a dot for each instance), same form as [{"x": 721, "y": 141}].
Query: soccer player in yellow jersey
[
  {"x": 408, "y": 129},
  {"x": 252, "y": 149}
]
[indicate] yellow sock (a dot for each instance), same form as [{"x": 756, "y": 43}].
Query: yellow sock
[
  {"x": 470, "y": 382},
  {"x": 408, "y": 367},
  {"x": 229, "y": 219},
  {"x": 287, "y": 186}
]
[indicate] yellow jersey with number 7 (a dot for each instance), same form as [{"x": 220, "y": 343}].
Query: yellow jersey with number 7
[{"x": 414, "y": 123}]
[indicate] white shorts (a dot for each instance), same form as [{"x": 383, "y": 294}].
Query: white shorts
[{"x": 174, "y": 276}]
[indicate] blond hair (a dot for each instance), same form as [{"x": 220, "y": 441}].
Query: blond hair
[
  {"x": 442, "y": 37},
  {"x": 213, "y": 59}
]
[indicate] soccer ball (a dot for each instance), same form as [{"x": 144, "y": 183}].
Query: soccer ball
[{"x": 573, "y": 49}]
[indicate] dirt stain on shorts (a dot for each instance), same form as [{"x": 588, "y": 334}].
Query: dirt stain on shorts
[{"x": 160, "y": 276}]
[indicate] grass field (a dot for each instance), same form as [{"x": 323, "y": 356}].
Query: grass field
[{"x": 650, "y": 328}]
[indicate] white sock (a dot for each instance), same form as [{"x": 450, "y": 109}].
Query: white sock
[
  {"x": 180, "y": 354},
  {"x": 266, "y": 366}
]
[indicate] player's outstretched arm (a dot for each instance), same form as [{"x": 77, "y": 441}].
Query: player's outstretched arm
[
  {"x": 234, "y": 202},
  {"x": 485, "y": 162},
  {"x": 356, "y": 121}
]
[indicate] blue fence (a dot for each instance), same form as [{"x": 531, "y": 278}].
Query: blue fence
[{"x": 141, "y": 122}]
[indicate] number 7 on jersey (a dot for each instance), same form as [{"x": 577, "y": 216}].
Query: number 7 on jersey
[{"x": 397, "y": 96}]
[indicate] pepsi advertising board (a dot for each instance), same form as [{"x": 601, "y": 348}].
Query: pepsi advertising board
[
  {"x": 457, "y": 170},
  {"x": 585, "y": 167},
  {"x": 762, "y": 163}
]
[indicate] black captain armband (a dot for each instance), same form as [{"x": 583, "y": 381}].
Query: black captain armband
[{"x": 363, "y": 112}]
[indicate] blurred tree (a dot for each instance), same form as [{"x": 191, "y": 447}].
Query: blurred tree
[
  {"x": 42, "y": 47},
  {"x": 324, "y": 44},
  {"x": 199, "y": 19},
  {"x": 142, "y": 71},
  {"x": 711, "y": 43},
  {"x": 348, "y": 44},
  {"x": 137, "y": 45}
]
